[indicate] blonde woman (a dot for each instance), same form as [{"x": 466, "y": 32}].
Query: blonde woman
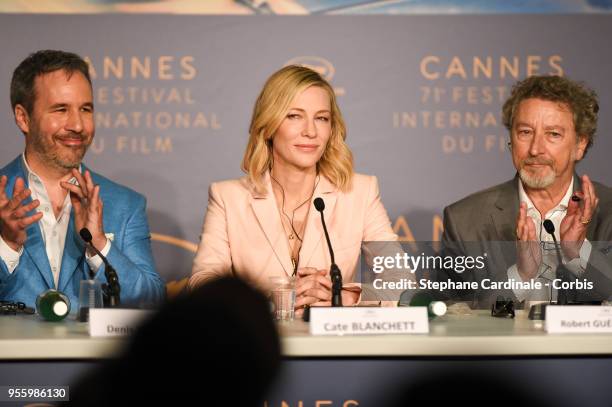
[{"x": 265, "y": 224}]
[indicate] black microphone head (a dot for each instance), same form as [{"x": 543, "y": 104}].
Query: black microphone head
[
  {"x": 319, "y": 204},
  {"x": 549, "y": 226},
  {"x": 85, "y": 235}
]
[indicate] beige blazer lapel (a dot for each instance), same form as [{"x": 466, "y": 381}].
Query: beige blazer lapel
[
  {"x": 267, "y": 215},
  {"x": 313, "y": 234}
]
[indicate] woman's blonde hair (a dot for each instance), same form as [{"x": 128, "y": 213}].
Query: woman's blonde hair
[{"x": 269, "y": 111}]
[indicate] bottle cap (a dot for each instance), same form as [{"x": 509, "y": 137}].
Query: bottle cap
[
  {"x": 438, "y": 308},
  {"x": 60, "y": 308}
]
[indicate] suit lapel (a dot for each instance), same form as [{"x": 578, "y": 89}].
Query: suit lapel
[
  {"x": 73, "y": 255},
  {"x": 498, "y": 238},
  {"x": 34, "y": 245},
  {"x": 506, "y": 209},
  {"x": 314, "y": 234},
  {"x": 35, "y": 248},
  {"x": 266, "y": 212}
]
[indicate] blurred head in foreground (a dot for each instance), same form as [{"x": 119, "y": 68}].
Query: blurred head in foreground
[{"x": 220, "y": 335}]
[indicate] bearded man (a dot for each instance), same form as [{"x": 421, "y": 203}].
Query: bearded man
[
  {"x": 552, "y": 123},
  {"x": 47, "y": 195}
]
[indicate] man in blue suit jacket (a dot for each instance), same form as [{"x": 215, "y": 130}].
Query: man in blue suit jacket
[{"x": 47, "y": 195}]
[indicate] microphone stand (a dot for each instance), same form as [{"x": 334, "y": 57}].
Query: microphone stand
[
  {"x": 334, "y": 271},
  {"x": 111, "y": 290},
  {"x": 561, "y": 272}
]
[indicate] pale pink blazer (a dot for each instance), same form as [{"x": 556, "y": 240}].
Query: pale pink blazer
[{"x": 243, "y": 234}]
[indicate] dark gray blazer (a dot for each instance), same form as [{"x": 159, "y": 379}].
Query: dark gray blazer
[{"x": 474, "y": 224}]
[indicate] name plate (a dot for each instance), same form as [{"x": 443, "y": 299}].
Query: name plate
[
  {"x": 563, "y": 319},
  {"x": 115, "y": 321},
  {"x": 368, "y": 321}
]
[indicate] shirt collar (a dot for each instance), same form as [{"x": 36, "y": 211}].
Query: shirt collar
[
  {"x": 29, "y": 172},
  {"x": 562, "y": 205}
]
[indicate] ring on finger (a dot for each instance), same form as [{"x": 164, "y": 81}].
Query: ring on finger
[{"x": 585, "y": 222}]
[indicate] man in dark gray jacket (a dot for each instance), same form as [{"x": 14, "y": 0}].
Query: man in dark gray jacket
[{"x": 552, "y": 123}]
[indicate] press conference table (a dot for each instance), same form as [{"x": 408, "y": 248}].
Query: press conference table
[
  {"x": 27, "y": 337},
  {"x": 31, "y": 350}
]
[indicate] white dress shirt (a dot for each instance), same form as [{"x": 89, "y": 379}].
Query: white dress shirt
[
  {"x": 546, "y": 272},
  {"x": 54, "y": 230}
]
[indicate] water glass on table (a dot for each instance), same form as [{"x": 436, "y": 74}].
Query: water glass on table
[{"x": 282, "y": 297}]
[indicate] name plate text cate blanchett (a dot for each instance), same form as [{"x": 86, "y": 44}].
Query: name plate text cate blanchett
[{"x": 368, "y": 321}]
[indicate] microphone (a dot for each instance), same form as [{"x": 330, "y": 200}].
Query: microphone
[
  {"x": 334, "y": 272},
  {"x": 550, "y": 229},
  {"x": 561, "y": 273},
  {"x": 111, "y": 290}
]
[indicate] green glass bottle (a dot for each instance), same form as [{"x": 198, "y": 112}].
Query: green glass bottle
[
  {"x": 434, "y": 308},
  {"x": 53, "y": 305}
]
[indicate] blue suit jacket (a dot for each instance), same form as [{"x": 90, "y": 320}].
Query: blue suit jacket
[{"x": 124, "y": 216}]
